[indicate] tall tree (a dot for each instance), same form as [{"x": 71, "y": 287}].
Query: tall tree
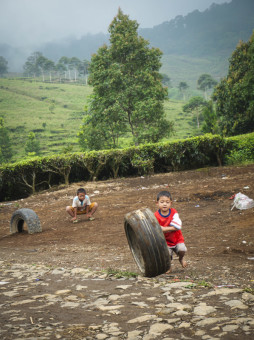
[
  {"x": 31, "y": 67},
  {"x": 5, "y": 144},
  {"x": 41, "y": 62},
  {"x": 210, "y": 124},
  {"x": 60, "y": 69},
  {"x": 195, "y": 106},
  {"x": 33, "y": 145},
  {"x": 74, "y": 65},
  {"x": 205, "y": 83},
  {"x": 183, "y": 86},
  {"x": 234, "y": 95},
  {"x": 3, "y": 66},
  {"x": 66, "y": 62},
  {"x": 50, "y": 67},
  {"x": 83, "y": 69},
  {"x": 166, "y": 81},
  {"x": 127, "y": 91}
]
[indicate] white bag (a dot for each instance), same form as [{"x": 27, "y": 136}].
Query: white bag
[{"x": 242, "y": 202}]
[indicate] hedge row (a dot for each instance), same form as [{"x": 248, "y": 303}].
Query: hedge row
[{"x": 21, "y": 179}]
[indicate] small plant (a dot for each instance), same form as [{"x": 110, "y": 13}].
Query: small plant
[
  {"x": 204, "y": 284},
  {"x": 118, "y": 273},
  {"x": 249, "y": 290},
  {"x": 199, "y": 284}
]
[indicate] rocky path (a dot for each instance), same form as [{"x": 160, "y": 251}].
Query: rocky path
[{"x": 41, "y": 302}]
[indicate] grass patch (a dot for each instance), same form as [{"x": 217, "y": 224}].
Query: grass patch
[
  {"x": 198, "y": 284},
  {"x": 249, "y": 290},
  {"x": 119, "y": 274}
]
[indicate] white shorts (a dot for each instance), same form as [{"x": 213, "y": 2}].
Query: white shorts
[{"x": 177, "y": 248}]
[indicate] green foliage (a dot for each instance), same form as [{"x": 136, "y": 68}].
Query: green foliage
[
  {"x": 234, "y": 95},
  {"x": 5, "y": 144},
  {"x": 128, "y": 94},
  {"x": 119, "y": 273},
  {"x": 243, "y": 150},
  {"x": 165, "y": 80},
  {"x": 183, "y": 86},
  {"x": 206, "y": 82},
  {"x": 195, "y": 105},
  {"x": 39, "y": 173},
  {"x": 210, "y": 124},
  {"x": 32, "y": 145},
  {"x": 24, "y": 110},
  {"x": 214, "y": 32},
  {"x": 143, "y": 160}
]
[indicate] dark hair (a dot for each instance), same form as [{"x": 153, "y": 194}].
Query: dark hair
[
  {"x": 164, "y": 193},
  {"x": 81, "y": 190}
]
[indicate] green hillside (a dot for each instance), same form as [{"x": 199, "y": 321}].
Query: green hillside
[
  {"x": 54, "y": 113},
  {"x": 188, "y": 69}
]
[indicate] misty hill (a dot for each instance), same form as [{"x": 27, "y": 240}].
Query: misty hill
[
  {"x": 200, "y": 41},
  {"x": 214, "y": 32}
]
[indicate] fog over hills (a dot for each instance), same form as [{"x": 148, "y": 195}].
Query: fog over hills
[{"x": 214, "y": 32}]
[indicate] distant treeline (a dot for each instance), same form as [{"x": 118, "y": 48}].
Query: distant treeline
[{"x": 71, "y": 69}]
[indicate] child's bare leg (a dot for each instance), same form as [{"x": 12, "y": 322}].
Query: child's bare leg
[
  {"x": 181, "y": 259},
  {"x": 93, "y": 210},
  {"x": 70, "y": 211}
]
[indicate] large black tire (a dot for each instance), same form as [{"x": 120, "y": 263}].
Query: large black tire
[
  {"x": 25, "y": 215},
  {"x": 147, "y": 242}
]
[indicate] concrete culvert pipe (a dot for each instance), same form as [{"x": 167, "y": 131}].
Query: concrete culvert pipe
[
  {"x": 28, "y": 216},
  {"x": 147, "y": 242}
]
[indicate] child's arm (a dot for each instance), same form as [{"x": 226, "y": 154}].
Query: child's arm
[
  {"x": 75, "y": 214},
  {"x": 175, "y": 224},
  {"x": 168, "y": 229}
]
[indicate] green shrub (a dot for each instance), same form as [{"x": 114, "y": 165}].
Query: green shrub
[
  {"x": 243, "y": 150},
  {"x": 21, "y": 179}
]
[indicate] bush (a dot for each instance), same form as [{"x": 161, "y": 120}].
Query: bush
[
  {"x": 39, "y": 173},
  {"x": 243, "y": 150}
]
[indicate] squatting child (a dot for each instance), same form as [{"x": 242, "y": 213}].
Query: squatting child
[
  {"x": 171, "y": 226},
  {"x": 81, "y": 205}
]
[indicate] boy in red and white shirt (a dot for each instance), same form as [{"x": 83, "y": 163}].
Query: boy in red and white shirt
[{"x": 171, "y": 226}]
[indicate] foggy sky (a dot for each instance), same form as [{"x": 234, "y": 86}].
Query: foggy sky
[{"x": 26, "y": 22}]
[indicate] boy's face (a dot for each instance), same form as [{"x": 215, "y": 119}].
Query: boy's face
[
  {"x": 164, "y": 204},
  {"x": 81, "y": 196}
]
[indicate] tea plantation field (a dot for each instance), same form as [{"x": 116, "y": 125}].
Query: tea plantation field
[{"x": 54, "y": 112}]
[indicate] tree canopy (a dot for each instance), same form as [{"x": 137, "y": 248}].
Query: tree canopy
[
  {"x": 195, "y": 105},
  {"x": 234, "y": 95},
  {"x": 128, "y": 94},
  {"x": 206, "y": 82}
]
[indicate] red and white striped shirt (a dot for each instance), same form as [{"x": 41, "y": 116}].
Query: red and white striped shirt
[{"x": 172, "y": 219}]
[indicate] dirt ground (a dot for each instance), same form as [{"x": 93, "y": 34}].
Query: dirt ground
[
  {"x": 220, "y": 244},
  {"x": 220, "y": 241}
]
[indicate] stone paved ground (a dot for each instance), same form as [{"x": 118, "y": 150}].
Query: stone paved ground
[{"x": 39, "y": 302}]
